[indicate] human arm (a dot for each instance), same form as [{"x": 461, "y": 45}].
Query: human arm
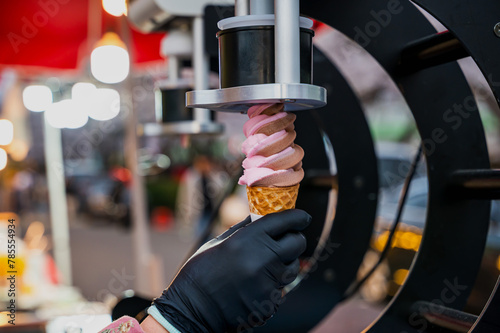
[{"x": 150, "y": 325}]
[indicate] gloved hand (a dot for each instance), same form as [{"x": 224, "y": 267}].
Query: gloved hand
[{"x": 235, "y": 281}]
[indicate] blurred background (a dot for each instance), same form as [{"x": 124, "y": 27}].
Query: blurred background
[{"x": 100, "y": 208}]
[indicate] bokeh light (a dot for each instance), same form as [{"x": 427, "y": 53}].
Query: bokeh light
[
  {"x": 109, "y": 61},
  {"x": 57, "y": 112},
  {"x": 115, "y": 7},
  {"x": 66, "y": 114},
  {"x": 3, "y": 159},
  {"x": 37, "y": 98},
  {"x": 6, "y": 132},
  {"x": 83, "y": 92},
  {"x": 18, "y": 150},
  {"x": 106, "y": 105}
]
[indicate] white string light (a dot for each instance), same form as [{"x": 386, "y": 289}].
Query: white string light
[
  {"x": 109, "y": 61},
  {"x": 6, "y": 132},
  {"x": 37, "y": 98},
  {"x": 115, "y": 7}
]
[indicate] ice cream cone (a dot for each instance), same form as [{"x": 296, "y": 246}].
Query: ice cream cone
[
  {"x": 273, "y": 163},
  {"x": 267, "y": 200}
]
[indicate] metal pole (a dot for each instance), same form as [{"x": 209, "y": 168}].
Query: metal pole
[
  {"x": 261, "y": 7},
  {"x": 200, "y": 66},
  {"x": 286, "y": 41},
  {"x": 173, "y": 68},
  {"x": 144, "y": 261},
  {"x": 241, "y": 7},
  {"x": 140, "y": 231},
  {"x": 54, "y": 165}
]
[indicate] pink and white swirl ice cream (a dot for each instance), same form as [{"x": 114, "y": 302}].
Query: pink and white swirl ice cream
[{"x": 273, "y": 160}]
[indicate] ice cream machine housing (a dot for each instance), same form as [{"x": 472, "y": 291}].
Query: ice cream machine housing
[{"x": 265, "y": 56}]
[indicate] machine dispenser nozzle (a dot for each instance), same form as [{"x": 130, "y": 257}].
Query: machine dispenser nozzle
[{"x": 263, "y": 58}]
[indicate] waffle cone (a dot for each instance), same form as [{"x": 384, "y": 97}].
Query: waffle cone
[{"x": 267, "y": 200}]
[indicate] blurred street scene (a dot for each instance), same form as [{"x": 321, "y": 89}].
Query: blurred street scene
[{"x": 103, "y": 210}]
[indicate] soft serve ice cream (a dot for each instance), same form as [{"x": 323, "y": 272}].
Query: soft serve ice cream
[{"x": 273, "y": 164}]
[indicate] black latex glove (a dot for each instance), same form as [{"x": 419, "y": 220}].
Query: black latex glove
[{"x": 235, "y": 281}]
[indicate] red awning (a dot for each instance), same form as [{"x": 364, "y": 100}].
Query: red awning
[{"x": 41, "y": 35}]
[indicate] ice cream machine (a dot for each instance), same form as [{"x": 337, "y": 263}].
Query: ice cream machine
[
  {"x": 266, "y": 55},
  {"x": 263, "y": 58},
  {"x": 184, "y": 42}
]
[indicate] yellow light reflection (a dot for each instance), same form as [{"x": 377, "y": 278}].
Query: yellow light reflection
[
  {"x": 4, "y": 317},
  {"x": 399, "y": 276},
  {"x": 18, "y": 150},
  {"x": 381, "y": 241},
  {"x": 406, "y": 240},
  {"x": 6, "y": 270}
]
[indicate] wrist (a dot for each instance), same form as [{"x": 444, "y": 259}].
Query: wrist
[{"x": 150, "y": 325}]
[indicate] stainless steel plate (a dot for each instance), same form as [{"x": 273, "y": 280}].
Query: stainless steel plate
[
  {"x": 296, "y": 97},
  {"x": 180, "y": 127}
]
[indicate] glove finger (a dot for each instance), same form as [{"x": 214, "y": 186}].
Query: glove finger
[
  {"x": 291, "y": 272},
  {"x": 277, "y": 273},
  {"x": 284, "y": 274},
  {"x": 290, "y": 246},
  {"x": 277, "y": 224},
  {"x": 234, "y": 228}
]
